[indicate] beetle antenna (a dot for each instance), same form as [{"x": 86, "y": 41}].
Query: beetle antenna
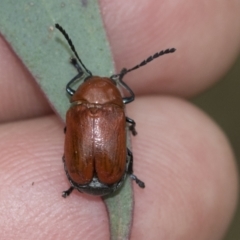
[
  {"x": 71, "y": 45},
  {"x": 146, "y": 61},
  {"x": 156, "y": 55}
]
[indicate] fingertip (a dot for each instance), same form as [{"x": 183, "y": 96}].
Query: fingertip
[
  {"x": 198, "y": 31},
  {"x": 20, "y": 96},
  {"x": 189, "y": 170}
]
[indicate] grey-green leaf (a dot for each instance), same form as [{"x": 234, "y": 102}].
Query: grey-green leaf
[
  {"x": 120, "y": 208},
  {"x": 28, "y": 26}
]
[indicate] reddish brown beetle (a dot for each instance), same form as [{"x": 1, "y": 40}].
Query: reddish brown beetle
[{"x": 96, "y": 158}]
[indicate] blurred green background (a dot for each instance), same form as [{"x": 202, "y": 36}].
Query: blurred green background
[{"x": 222, "y": 103}]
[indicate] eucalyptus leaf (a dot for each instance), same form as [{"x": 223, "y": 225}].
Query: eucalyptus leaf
[
  {"x": 118, "y": 204},
  {"x": 28, "y": 26}
]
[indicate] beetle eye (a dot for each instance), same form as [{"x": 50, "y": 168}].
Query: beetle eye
[{"x": 114, "y": 81}]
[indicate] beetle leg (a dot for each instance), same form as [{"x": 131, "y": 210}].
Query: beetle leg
[
  {"x": 67, "y": 192},
  {"x": 140, "y": 183},
  {"x": 65, "y": 129},
  {"x": 132, "y": 95},
  {"x": 132, "y": 126},
  {"x": 69, "y": 90},
  {"x": 74, "y": 62},
  {"x": 120, "y": 79}
]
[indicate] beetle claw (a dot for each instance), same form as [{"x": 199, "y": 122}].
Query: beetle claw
[
  {"x": 64, "y": 194},
  {"x": 133, "y": 130},
  {"x": 140, "y": 183},
  {"x": 67, "y": 192}
]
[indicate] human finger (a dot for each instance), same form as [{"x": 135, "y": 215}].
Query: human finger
[
  {"x": 181, "y": 155},
  {"x": 189, "y": 170},
  {"x": 205, "y": 34},
  {"x": 20, "y": 96}
]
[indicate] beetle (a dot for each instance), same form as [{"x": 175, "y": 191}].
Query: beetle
[{"x": 96, "y": 158}]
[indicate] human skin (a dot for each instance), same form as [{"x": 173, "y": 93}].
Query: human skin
[{"x": 182, "y": 156}]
